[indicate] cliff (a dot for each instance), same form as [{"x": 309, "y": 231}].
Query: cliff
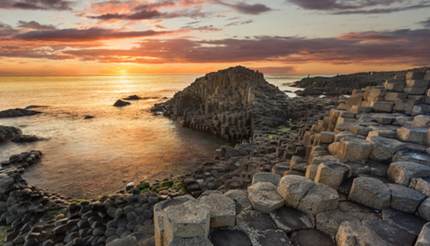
[
  {"x": 231, "y": 103},
  {"x": 344, "y": 84}
]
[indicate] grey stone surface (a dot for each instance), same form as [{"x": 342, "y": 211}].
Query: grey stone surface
[
  {"x": 240, "y": 197},
  {"x": 290, "y": 219},
  {"x": 405, "y": 199},
  {"x": 311, "y": 238},
  {"x": 293, "y": 188},
  {"x": 264, "y": 197},
  {"x": 408, "y": 222},
  {"x": 318, "y": 199},
  {"x": 228, "y": 237},
  {"x": 266, "y": 177},
  {"x": 222, "y": 209},
  {"x": 372, "y": 232},
  {"x": 424, "y": 209},
  {"x": 383, "y": 149},
  {"x": 185, "y": 221},
  {"x": 370, "y": 192}
]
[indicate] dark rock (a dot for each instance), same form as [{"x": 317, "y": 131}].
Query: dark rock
[
  {"x": 231, "y": 103},
  {"x": 290, "y": 219},
  {"x": 89, "y": 117},
  {"x": 132, "y": 98},
  {"x": 8, "y": 133},
  {"x": 226, "y": 237},
  {"x": 121, "y": 103},
  {"x": 311, "y": 238},
  {"x": 26, "y": 139},
  {"x": 17, "y": 112}
]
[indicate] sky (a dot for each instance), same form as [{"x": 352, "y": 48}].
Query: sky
[{"x": 118, "y": 37}]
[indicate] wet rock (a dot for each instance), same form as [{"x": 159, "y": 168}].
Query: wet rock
[
  {"x": 17, "y": 112},
  {"x": 372, "y": 232},
  {"x": 370, "y": 192},
  {"x": 290, "y": 219},
  {"x": 121, "y": 103},
  {"x": 26, "y": 139},
  {"x": 222, "y": 210},
  {"x": 264, "y": 197},
  {"x": 226, "y": 237},
  {"x": 132, "y": 98},
  {"x": 311, "y": 238},
  {"x": 8, "y": 133}
]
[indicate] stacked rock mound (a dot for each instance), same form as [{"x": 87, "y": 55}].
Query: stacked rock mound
[
  {"x": 363, "y": 179},
  {"x": 231, "y": 103}
]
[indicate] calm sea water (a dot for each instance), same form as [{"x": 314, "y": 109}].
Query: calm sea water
[{"x": 87, "y": 158}]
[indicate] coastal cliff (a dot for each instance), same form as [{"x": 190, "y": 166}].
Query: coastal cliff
[{"x": 231, "y": 103}]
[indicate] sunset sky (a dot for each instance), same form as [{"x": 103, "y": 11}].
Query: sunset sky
[{"x": 95, "y": 37}]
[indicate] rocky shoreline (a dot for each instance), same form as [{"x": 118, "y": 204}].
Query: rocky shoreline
[{"x": 325, "y": 171}]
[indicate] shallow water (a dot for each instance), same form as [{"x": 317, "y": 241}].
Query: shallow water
[{"x": 87, "y": 158}]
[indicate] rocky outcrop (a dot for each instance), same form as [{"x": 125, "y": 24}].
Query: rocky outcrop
[
  {"x": 120, "y": 103},
  {"x": 8, "y": 133},
  {"x": 232, "y": 103},
  {"x": 17, "y": 112},
  {"x": 345, "y": 84}
]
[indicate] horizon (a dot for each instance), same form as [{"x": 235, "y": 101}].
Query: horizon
[{"x": 141, "y": 37}]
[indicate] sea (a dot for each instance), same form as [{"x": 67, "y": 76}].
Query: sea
[{"x": 88, "y": 158}]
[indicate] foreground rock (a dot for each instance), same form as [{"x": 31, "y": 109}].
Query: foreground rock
[
  {"x": 8, "y": 133},
  {"x": 132, "y": 98},
  {"x": 17, "y": 112}
]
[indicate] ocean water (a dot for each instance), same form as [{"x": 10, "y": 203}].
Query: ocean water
[{"x": 88, "y": 158}]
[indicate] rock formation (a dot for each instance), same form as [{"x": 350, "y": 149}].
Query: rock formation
[
  {"x": 231, "y": 103},
  {"x": 363, "y": 179},
  {"x": 17, "y": 112},
  {"x": 344, "y": 84}
]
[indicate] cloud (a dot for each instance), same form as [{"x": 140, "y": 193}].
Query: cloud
[
  {"x": 133, "y": 10},
  {"x": 426, "y": 23},
  {"x": 245, "y": 8},
  {"x": 81, "y": 35},
  {"x": 395, "y": 47},
  {"x": 239, "y": 23},
  {"x": 34, "y": 25},
  {"x": 342, "y": 7},
  {"x": 36, "y": 4},
  {"x": 6, "y": 30}
]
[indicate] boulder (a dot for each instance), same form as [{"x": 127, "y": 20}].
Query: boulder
[
  {"x": 318, "y": 199},
  {"x": 120, "y": 103},
  {"x": 159, "y": 214},
  {"x": 186, "y": 221},
  {"x": 222, "y": 210},
  {"x": 240, "y": 197},
  {"x": 402, "y": 172},
  {"x": 372, "y": 232},
  {"x": 266, "y": 177},
  {"x": 17, "y": 112},
  {"x": 424, "y": 209},
  {"x": 331, "y": 174},
  {"x": 404, "y": 198},
  {"x": 424, "y": 236},
  {"x": 383, "y": 149},
  {"x": 311, "y": 238},
  {"x": 421, "y": 184},
  {"x": 370, "y": 192},
  {"x": 421, "y": 121},
  {"x": 290, "y": 219},
  {"x": 264, "y": 197},
  {"x": 408, "y": 222},
  {"x": 413, "y": 135},
  {"x": 8, "y": 133},
  {"x": 329, "y": 221},
  {"x": 229, "y": 237},
  {"x": 351, "y": 149},
  {"x": 293, "y": 188}
]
